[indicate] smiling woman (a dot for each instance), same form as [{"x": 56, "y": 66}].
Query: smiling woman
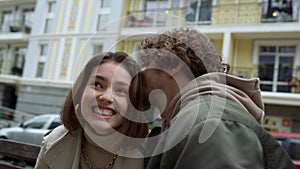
[
  {"x": 94, "y": 127},
  {"x": 105, "y": 97}
]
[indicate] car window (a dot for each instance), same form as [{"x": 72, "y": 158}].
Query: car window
[
  {"x": 53, "y": 125},
  {"x": 281, "y": 140},
  {"x": 37, "y": 124},
  {"x": 294, "y": 149},
  {"x": 56, "y": 122}
]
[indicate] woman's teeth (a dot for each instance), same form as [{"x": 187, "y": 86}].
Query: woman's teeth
[{"x": 104, "y": 112}]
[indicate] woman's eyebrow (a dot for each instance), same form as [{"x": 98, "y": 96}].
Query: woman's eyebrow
[
  {"x": 99, "y": 77},
  {"x": 117, "y": 82},
  {"x": 122, "y": 83}
]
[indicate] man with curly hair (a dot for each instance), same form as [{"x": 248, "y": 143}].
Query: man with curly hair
[{"x": 211, "y": 119}]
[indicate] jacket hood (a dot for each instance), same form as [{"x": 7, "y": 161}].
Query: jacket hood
[{"x": 244, "y": 91}]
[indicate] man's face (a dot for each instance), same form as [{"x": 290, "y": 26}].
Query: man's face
[{"x": 163, "y": 88}]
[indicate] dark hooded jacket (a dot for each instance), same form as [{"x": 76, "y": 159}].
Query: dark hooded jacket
[{"x": 216, "y": 124}]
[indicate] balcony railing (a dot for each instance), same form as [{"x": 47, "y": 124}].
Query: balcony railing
[
  {"x": 229, "y": 13},
  {"x": 166, "y": 17},
  {"x": 16, "y": 26}
]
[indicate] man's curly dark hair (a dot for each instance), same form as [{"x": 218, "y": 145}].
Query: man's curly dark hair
[{"x": 192, "y": 47}]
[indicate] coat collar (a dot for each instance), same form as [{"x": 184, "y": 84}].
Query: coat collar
[{"x": 63, "y": 149}]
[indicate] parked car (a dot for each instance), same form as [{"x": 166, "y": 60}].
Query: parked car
[
  {"x": 291, "y": 143},
  {"x": 32, "y": 130}
]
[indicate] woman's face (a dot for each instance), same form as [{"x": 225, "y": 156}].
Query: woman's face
[{"x": 105, "y": 97}]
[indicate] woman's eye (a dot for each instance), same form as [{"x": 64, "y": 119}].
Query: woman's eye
[
  {"x": 98, "y": 85},
  {"x": 121, "y": 91}
]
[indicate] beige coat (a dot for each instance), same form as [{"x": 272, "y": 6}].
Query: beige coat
[{"x": 61, "y": 150}]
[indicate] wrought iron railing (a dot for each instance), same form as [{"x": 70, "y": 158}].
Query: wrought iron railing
[
  {"x": 235, "y": 14},
  {"x": 165, "y": 17}
]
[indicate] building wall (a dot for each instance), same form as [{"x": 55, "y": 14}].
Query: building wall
[
  {"x": 224, "y": 12},
  {"x": 40, "y": 99},
  {"x": 70, "y": 45},
  {"x": 242, "y": 59},
  {"x": 218, "y": 45}
]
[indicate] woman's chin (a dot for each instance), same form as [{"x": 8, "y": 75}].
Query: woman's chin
[{"x": 102, "y": 128}]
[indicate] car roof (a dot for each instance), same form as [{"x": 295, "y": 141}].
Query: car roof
[
  {"x": 290, "y": 135},
  {"x": 41, "y": 116}
]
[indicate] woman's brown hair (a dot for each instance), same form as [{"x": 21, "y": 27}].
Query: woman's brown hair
[{"x": 68, "y": 115}]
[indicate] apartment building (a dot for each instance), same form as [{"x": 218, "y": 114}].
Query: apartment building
[
  {"x": 43, "y": 59},
  {"x": 16, "y": 20},
  {"x": 45, "y": 43}
]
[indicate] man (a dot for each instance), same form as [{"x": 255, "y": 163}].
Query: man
[{"x": 211, "y": 119}]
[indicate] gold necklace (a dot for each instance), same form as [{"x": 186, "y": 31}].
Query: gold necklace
[{"x": 89, "y": 164}]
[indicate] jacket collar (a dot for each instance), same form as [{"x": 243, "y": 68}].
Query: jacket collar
[{"x": 63, "y": 149}]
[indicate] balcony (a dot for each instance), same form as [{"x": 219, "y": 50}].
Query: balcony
[
  {"x": 15, "y": 31},
  {"x": 16, "y": 26},
  {"x": 221, "y": 13},
  {"x": 168, "y": 17}
]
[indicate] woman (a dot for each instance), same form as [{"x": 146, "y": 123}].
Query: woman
[{"x": 94, "y": 130}]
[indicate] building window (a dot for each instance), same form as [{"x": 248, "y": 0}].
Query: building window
[
  {"x": 2, "y": 60},
  {"x": 275, "y": 67},
  {"x": 6, "y": 19},
  {"x": 280, "y": 10},
  {"x": 18, "y": 61},
  {"x": 155, "y": 13},
  {"x": 199, "y": 11},
  {"x": 51, "y": 6},
  {"x": 49, "y": 17},
  {"x": 41, "y": 60},
  {"x": 103, "y": 15},
  {"x": 27, "y": 18}
]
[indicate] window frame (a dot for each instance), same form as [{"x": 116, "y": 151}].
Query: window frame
[
  {"x": 277, "y": 43},
  {"x": 102, "y": 11},
  {"x": 48, "y": 25},
  {"x": 42, "y": 58}
]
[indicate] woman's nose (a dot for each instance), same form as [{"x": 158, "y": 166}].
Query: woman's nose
[{"x": 106, "y": 97}]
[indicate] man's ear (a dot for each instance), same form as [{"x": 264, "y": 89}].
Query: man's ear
[{"x": 176, "y": 69}]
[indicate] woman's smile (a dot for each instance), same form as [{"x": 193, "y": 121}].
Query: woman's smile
[{"x": 103, "y": 112}]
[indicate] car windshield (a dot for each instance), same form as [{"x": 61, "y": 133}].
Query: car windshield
[
  {"x": 36, "y": 123},
  {"x": 294, "y": 149},
  {"x": 56, "y": 122}
]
